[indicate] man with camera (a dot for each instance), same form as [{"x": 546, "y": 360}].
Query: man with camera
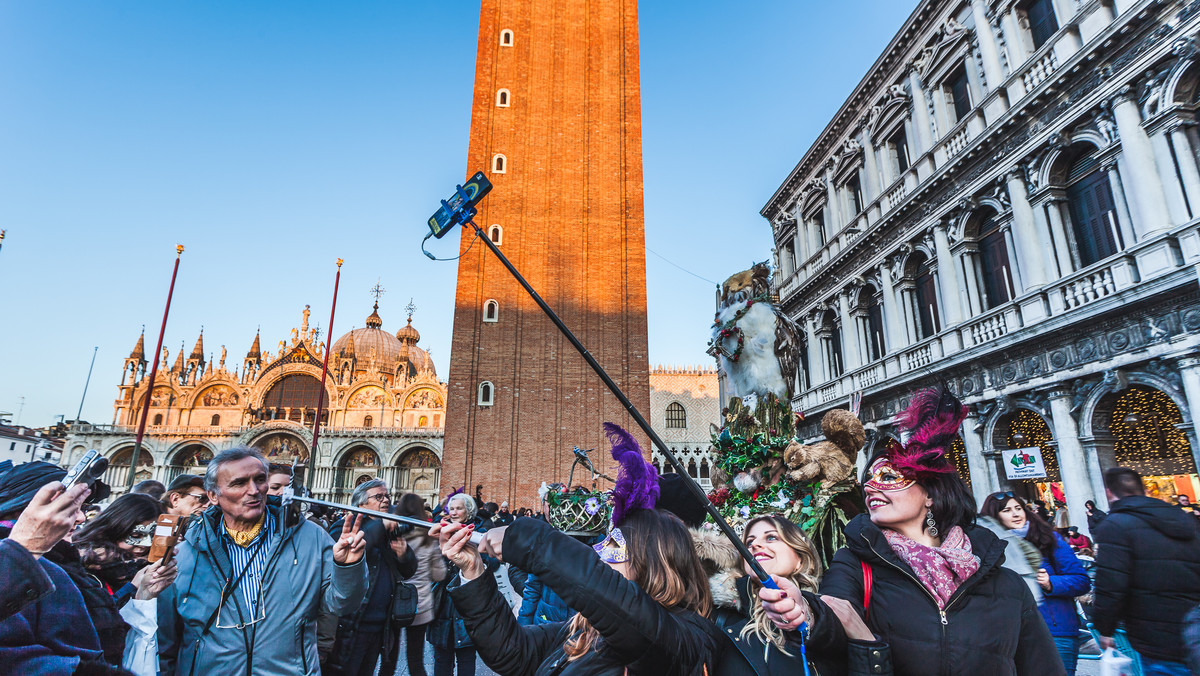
[
  {"x": 374, "y": 629},
  {"x": 253, "y": 579}
]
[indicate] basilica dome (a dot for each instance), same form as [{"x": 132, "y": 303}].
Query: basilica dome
[{"x": 389, "y": 351}]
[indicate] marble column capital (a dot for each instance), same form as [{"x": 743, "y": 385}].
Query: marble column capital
[{"x": 1126, "y": 94}]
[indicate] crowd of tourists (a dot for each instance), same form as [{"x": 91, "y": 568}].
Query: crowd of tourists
[{"x": 927, "y": 584}]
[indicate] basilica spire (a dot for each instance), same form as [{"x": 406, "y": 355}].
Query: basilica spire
[
  {"x": 255, "y": 351},
  {"x": 178, "y": 367},
  {"x": 198, "y": 350},
  {"x": 139, "y": 350}
]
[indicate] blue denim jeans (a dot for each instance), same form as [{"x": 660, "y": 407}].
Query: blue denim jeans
[
  {"x": 1153, "y": 667},
  {"x": 1068, "y": 651}
]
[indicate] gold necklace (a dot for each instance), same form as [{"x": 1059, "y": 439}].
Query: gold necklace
[{"x": 243, "y": 538}]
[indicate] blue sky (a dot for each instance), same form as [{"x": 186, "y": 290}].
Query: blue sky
[{"x": 272, "y": 137}]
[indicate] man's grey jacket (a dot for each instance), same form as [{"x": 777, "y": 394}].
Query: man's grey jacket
[{"x": 299, "y": 581}]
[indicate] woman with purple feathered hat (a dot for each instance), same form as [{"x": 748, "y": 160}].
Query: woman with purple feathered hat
[
  {"x": 923, "y": 576},
  {"x": 642, "y": 603}
]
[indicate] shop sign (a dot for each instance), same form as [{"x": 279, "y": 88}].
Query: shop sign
[{"x": 1024, "y": 463}]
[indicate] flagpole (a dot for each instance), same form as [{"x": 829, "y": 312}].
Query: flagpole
[
  {"x": 137, "y": 444},
  {"x": 325, "y": 364}
]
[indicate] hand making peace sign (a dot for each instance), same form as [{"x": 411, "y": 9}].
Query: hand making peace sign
[{"x": 350, "y": 546}]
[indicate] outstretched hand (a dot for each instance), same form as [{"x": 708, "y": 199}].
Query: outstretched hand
[
  {"x": 50, "y": 516},
  {"x": 455, "y": 540},
  {"x": 785, "y": 606},
  {"x": 350, "y": 546}
]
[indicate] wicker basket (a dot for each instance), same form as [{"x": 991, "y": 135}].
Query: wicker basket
[{"x": 571, "y": 517}]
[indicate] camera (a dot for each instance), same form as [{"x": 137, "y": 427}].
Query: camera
[{"x": 88, "y": 471}]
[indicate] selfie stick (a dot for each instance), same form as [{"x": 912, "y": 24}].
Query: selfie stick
[
  {"x": 476, "y": 538},
  {"x": 461, "y": 212}
]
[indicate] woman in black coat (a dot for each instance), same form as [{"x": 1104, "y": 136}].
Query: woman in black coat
[
  {"x": 643, "y": 616},
  {"x": 938, "y": 595}
]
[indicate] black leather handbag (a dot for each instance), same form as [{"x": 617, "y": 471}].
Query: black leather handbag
[{"x": 404, "y": 604}]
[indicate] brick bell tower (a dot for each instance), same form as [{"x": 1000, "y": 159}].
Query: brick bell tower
[{"x": 556, "y": 126}]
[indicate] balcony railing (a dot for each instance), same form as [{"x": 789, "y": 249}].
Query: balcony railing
[
  {"x": 1039, "y": 70},
  {"x": 181, "y": 431}
]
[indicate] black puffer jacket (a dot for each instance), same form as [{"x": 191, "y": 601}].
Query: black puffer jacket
[
  {"x": 864, "y": 658},
  {"x": 991, "y": 625},
  {"x": 1147, "y": 574},
  {"x": 638, "y": 636}
]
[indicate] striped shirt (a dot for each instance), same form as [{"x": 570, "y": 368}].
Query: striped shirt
[{"x": 241, "y": 556}]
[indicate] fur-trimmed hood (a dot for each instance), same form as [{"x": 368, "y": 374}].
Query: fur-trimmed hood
[{"x": 722, "y": 564}]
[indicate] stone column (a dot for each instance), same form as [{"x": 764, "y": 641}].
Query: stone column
[
  {"x": 1045, "y": 241},
  {"x": 835, "y": 219},
  {"x": 850, "y": 342},
  {"x": 892, "y": 320},
  {"x": 1187, "y": 167},
  {"x": 814, "y": 238},
  {"x": 870, "y": 168},
  {"x": 1077, "y": 482},
  {"x": 988, "y": 49},
  {"x": 1189, "y": 370},
  {"x": 1124, "y": 220},
  {"x": 976, "y": 462},
  {"x": 974, "y": 297},
  {"x": 816, "y": 355},
  {"x": 921, "y": 124},
  {"x": 1014, "y": 260},
  {"x": 1176, "y": 203},
  {"x": 952, "y": 290},
  {"x": 1033, "y": 272},
  {"x": 1058, "y": 232},
  {"x": 1143, "y": 173}
]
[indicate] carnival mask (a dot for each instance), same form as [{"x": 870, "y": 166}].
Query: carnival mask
[
  {"x": 885, "y": 477},
  {"x": 142, "y": 536},
  {"x": 612, "y": 549}
]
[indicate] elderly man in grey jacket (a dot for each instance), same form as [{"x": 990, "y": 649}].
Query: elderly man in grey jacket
[{"x": 252, "y": 581}]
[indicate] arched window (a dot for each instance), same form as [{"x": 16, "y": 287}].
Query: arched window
[
  {"x": 692, "y": 470},
  {"x": 994, "y": 266},
  {"x": 486, "y": 394},
  {"x": 1090, "y": 201},
  {"x": 676, "y": 416},
  {"x": 423, "y": 421},
  {"x": 491, "y": 311},
  {"x": 502, "y": 98},
  {"x": 368, "y": 421},
  {"x": 499, "y": 164},
  {"x": 506, "y": 38},
  {"x": 704, "y": 469},
  {"x": 926, "y": 311},
  {"x": 216, "y": 420},
  {"x": 833, "y": 344},
  {"x": 496, "y": 234},
  {"x": 157, "y": 419},
  {"x": 296, "y": 391}
]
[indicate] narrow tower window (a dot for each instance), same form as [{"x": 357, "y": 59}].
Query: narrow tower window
[
  {"x": 499, "y": 164},
  {"x": 496, "y": 234},
  {"x": 485, "y": 394},
  {"x": 506, "y": 38},
  {"x": 491, "y": 311},
  {"x": 502, "y": 98},
  {"x": 216, "y": 420}
]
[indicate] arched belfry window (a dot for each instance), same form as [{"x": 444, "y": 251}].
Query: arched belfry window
[
  {"x": 496, "y": 234},
  {"x": 368, "y": 421},
  {"x": 502, "y": 97},
  {"x": 487, "y": 394},
  {"x": 499, "y": 164},
  {"x": 506, "y": 38},
  {"x": 676, "y": 416},
  {"x": 1090, "y": 201},
  {"x": 491, "y": 311}
]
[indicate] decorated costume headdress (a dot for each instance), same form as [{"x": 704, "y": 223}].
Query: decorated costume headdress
[
  {"x": 636, "y": 488},
  {"x": 933, "y": 417}
]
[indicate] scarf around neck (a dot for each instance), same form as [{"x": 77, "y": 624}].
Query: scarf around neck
[{"x": 941, "y": 570}]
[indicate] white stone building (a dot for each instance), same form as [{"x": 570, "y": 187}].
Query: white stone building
[
  {"x": 684, "y": 405},
  {"x": 1009, "y": 202}
]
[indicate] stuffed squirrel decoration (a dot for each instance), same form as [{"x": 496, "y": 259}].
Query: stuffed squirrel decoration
[{"x": 831, "y": 460}]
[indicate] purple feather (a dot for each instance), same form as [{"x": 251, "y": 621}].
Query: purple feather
[{"x": 637, "y": 480}]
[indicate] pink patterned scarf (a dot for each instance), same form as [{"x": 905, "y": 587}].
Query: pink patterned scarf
[{"x": 941, "y": 570}]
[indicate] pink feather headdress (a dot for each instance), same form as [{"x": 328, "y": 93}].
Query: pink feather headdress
[
  {"x": 933, "y": 416},
  {"x": 637, "y": 480}
]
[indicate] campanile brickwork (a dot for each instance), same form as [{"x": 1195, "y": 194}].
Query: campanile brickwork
[{"x": 569, "y": 203}]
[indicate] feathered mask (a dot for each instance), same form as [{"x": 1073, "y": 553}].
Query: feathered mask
[
  {"x": 636, "y": 488},
  {"x": 933, "y": 418}
]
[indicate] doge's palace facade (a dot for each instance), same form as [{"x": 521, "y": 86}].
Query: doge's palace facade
[
  {"x": 1009, "y": 202},
  {"x": 384, "y": 412}
]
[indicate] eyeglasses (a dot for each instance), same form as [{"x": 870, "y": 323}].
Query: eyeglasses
[
  {"x": 200, "y": 497},
  {"x": 380, "y": 497},
  {"x": 262, "y": 615}
]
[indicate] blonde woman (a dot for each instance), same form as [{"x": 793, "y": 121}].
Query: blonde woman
[{"x": 781, "y": 549}]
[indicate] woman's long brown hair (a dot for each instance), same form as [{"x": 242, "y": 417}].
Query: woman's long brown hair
[{"x": 663, "y": 564}]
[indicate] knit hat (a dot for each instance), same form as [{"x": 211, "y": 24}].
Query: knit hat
[{"x": 18, "y": 486}]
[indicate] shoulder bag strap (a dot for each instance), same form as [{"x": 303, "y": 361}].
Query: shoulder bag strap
[{"x": 867, "y": 580}]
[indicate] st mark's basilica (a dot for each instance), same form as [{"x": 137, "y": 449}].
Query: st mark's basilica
[{"x": 384, "y": 410}]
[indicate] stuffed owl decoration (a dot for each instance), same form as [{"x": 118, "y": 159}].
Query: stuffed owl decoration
[{"x": 755, "y": 344}]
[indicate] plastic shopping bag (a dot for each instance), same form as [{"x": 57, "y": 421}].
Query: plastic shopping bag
[{"x": 1113, "y": 663}]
